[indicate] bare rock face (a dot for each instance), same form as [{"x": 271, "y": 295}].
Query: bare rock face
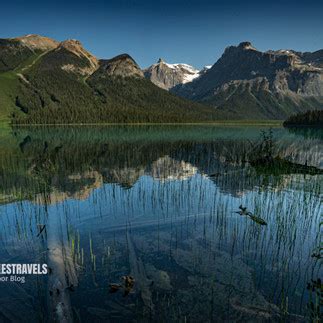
[
  {"x": 272, "y": 84},
  {"x": 89, "y": 62},
  {"x": 122, "y": 65},
  {"x": 314, "y": 59},
  {"x": 37, "y": 42},
  {"x": 167, "y": 76}
]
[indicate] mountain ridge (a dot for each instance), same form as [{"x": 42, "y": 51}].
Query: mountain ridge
[
  {"x": 274, "y": 84},
  {"x": 43, "y": 80},
  {"x": 67, "y": 84}
]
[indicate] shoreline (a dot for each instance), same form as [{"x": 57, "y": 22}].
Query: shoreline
[{"x": 276, "y": 123}]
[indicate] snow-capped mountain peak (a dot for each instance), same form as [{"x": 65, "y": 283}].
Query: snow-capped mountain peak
[{"x": 167, "y": 76}]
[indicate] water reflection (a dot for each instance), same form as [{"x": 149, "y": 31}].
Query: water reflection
[{"x": 159, "y": 203}]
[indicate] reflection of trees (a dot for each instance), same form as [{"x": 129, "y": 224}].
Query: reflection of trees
[
  {"x": 307, "y": 133},
  {"x": 71, "y": 163}
]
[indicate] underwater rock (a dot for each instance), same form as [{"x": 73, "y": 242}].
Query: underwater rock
[
  {"x": 160, "y": 278},
  {"x": 218, "y": 278},
  {"x": 16, "y": 298}
]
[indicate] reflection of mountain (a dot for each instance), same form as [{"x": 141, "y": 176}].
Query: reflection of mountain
[
  {"x": 303, "y": 151},
  {"x": 76, "y": 186},
  {"x": 126, "y": 177},
  {"x": 70, "y": 164},
  {"x": 166, "y": 168}
]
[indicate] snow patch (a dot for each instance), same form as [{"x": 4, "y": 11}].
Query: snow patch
[
  {"x": 189, "y": 72},
  {"x": 190, "y": 77}
]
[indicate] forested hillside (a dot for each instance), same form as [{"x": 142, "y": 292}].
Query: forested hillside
[{"x": 66, "y": 84}]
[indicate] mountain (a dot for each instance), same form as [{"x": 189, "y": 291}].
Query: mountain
[
  {"x": 47, "y": 82},
  {"x": 16, "y": 54},
  {"x": 15, "y": 51},
  {"x": 68, "y": 52},
  {"x": 122, "y": 65},
  {"x": 167, "y": 76},
  {"x": 44, "y": 81},
  {"x": 250, "y": 84}
]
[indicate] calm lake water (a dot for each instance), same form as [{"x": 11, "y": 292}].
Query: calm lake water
[{"x": 159, "y": 203}]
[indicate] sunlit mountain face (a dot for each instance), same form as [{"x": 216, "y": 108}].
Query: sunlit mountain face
[{"x": 163, "y": 204}]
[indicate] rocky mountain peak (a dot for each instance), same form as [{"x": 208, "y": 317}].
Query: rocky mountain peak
[
  {"x": 122, "y": 65},
  {"x": 16, "y": 51},
  {"x": 70, "y": 42},
  {"x": 72, "y": 45},
  {"x": 123, "y": 57},
  {"x": 245, "y": 77},
  {"x": 33, "y": 42},
  {"x": 246, "y": 45},
  {"x": 243, "y": 47},
  {"x": 75, "y": 47},
  {"x": 167, "y": 76}
]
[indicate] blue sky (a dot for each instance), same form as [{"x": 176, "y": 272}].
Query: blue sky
[{"x": 193, "y": 32}]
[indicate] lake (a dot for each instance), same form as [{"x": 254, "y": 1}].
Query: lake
[{"x": 160, "y": 204}]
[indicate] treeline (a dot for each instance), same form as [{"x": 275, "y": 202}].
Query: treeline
[{"x": 309, "y": 118}]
